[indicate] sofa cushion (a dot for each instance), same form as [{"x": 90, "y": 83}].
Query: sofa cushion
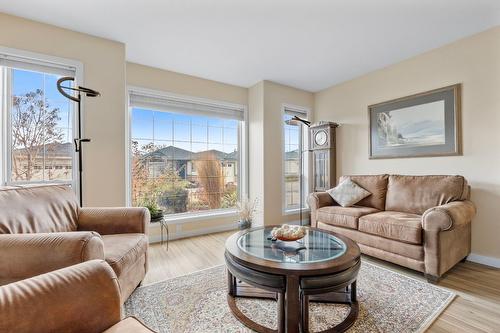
[
  {"x": 37, "y": 209},
  {"x": 412, "y": 251},
  {"x": 376, "y": 185},
  {"x": 347, "y": 193},
  {"x": 403, "y": 227},
  {"x": 121, "y": 251},
  {"x": 346, "y": 217},
  {"x": 416, "y": 194}
]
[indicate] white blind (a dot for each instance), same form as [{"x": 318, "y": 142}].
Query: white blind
[
  {"x": 296, "y": 112},
  {"x": 185, "y": 106},
  {"x": 36, "y": 65}
]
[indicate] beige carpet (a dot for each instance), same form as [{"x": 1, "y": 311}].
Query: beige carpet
[{"x": 389, "y": 302}]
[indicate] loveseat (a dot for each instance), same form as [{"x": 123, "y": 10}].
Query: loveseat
[
  {"x": 42, "y": 228},
  {"x": 420, "y": 222}
]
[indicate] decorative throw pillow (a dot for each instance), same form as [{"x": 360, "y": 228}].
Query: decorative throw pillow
[{"x": 348, "y": 193}]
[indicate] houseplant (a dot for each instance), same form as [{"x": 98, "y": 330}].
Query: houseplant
[{"x": 154, "y": 210}]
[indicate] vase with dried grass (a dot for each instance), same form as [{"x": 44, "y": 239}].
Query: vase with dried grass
[{"x": 246, "y": 211}]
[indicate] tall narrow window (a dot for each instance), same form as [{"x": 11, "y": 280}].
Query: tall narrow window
[
  {"x": 37, "y": 124},
  {"x": 185, "y": 156},
  {"x": 294, "y": 165}
]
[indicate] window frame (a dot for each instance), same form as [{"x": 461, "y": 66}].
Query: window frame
[
  {"x": 187, "y": 217},
  {"x": 39, "y": 63},
  {"x": 304, "y": 146}
]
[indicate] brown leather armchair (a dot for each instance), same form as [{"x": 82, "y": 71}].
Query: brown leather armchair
[
  {"x": 42, "y": 228},
  {"x": 83, "y": 298}
]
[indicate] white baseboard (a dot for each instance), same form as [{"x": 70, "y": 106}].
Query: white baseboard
[
  {"x": 488, "y": 261},
  {"x": 185, "y": 234}
]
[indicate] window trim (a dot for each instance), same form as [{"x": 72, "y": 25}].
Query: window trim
[
  {"x": 242, "y": 143},
  {"x": 304, "y": 147},
  {"x": 41, "y": 61}
]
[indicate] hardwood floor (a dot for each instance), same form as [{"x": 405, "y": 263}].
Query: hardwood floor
[{"x": 476, "y": 308}]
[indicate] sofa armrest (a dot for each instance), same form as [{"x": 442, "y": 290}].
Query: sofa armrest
[
  {"x": 447, "y": 236},
  {"x": 119, "y": 220},
  {"x": 317, "y": 200},
  {"x": 26, "y": 255},
  {"x": 448, "y": 216},
  {"x": 83, "y": 297}
]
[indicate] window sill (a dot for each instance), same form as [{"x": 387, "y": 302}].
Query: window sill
[
  {"x": 296, "y": 211},
  {"x": 193, "y": 217}
]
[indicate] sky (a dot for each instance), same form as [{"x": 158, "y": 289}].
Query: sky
[{"x": 193, "y": 133}]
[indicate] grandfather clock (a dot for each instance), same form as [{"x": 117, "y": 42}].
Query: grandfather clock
[{"x": 322, "y": 143}]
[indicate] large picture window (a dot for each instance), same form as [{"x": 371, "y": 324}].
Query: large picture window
[
  {"x": 185, "y": 157},
  {"x": 37, "y": 124}
]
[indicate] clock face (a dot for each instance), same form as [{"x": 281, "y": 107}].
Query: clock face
[{"x": 320, "y": 138}]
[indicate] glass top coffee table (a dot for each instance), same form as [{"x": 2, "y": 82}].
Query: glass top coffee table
[
  {"x": 316, "y": 246},
  {"x": 322, "y": 267}
]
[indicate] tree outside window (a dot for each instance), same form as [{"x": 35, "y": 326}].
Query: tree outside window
[{"x": 40, "y": 128}]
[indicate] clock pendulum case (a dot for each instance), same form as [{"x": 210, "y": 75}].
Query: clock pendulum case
[{"x": 322, "y": 143}]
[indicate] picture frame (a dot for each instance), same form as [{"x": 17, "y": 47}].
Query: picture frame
[{"x": 427, "y": 124}]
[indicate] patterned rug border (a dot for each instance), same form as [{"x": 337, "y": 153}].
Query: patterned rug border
[{"x": 425, "y": 325}]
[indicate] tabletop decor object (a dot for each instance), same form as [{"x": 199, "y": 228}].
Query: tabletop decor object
[
  {"x": 246, "y": 210},
  {"x": 155, "y": 212},
  {"x": 288, "y": 233}
]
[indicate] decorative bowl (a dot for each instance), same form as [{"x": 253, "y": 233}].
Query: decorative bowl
[
  {"x": 288, "y": 233},
  {"x": 288, "y": 239}
]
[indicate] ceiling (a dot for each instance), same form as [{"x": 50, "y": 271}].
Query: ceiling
[{"x": 305, "y": 44}]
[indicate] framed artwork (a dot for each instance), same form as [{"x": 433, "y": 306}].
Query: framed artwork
[{"x": 421, "y": 125}]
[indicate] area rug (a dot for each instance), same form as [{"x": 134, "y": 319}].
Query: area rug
[{"x": 389, "y": 302}]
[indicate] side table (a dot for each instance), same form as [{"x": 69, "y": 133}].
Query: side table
[{"x": 163, "y": 229}]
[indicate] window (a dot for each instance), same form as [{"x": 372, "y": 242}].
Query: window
[
  {"x": 293, "y": 149},
  {"x": 185, "y": 156},
  {"x": 37, "y": 122}
]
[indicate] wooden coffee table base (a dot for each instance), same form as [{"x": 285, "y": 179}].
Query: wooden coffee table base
[
  {"x": 256, "y": 268},
  {"x": 293, "y": 315}
]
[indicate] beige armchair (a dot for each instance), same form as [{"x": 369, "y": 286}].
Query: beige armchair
[
  {"x": 42, "y": 228},
  {"x": 83, "y": 298}
]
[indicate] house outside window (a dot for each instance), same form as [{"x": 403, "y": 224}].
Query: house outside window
[
  {"x": 37, "y": 123},
  {"x": 185, "y": 156}
]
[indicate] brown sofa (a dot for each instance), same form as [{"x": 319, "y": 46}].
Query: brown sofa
[
  {"x": 42, "y": 228},
  {"x": 83, "y": 298},
  {"x": 420, "y": 222}
]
